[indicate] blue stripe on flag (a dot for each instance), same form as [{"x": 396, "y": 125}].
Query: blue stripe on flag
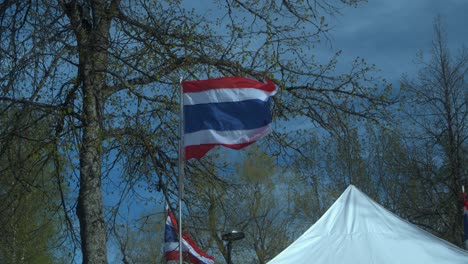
[
  {"x": 170, "y": 234},
  {"x": 243, "y": 115}
]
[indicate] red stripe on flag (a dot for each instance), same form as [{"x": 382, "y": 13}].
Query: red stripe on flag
[
  {"x": 465, "y": 201},
  {"x": 173, "y": 221},
  {"x": 226, "y": 82},
  {"x": 190, "y": 241},
  {"x": 172, "y": 255},
  {"x": 191, "y": 252},
  {"x": 198, "y": 151}
]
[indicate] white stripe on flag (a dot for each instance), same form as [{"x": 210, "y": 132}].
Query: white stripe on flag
[
  {"x": 173, "y": 246},
  {"x": 226, "y": 95},
  {"x": 229, "y": 137}
]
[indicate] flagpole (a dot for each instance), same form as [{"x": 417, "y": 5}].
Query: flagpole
[
  {"x": 465, "y": 242},
  {"x": 181, "y": 164}
]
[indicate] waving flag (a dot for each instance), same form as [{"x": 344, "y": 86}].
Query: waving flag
[
  {"x": 191, "y": 252},
  {"x": 465, "y": 220},
  {"x": 233, "y": 112}
]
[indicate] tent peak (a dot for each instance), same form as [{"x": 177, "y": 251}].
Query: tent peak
[{"x": 356, "y": 229}]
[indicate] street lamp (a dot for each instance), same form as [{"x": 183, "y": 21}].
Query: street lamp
[{"x": 229, "y": 237}]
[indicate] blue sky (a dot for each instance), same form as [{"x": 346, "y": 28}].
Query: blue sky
[{"x": 389, "y": 33}]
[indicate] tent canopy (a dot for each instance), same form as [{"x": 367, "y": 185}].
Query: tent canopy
[{"x": 356, "y": 229}]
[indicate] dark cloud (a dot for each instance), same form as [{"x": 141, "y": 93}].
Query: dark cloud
[{"x": 390, "y": 33}]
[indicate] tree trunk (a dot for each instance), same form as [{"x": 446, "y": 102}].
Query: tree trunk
[
  {"x": 91, "y": 24},
  {"x": 90, "y": 205}
]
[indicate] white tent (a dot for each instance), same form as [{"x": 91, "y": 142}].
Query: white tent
[{"x": 358, "y": 230}]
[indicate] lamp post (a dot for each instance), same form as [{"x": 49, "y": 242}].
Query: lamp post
[{"x": 229, "y": 237}]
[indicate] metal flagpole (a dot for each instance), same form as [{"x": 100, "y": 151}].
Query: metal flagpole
[
  {"x": 465, "y": 242},
  {"x": 181, "y": 165}
]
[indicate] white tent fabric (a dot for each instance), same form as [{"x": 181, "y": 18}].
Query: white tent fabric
[{"x": 357, "y": 230}]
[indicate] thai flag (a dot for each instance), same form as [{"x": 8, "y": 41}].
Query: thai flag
[
  {"x": 465, "y": 220},
  {"x": 191, "y": 252},
  {"x": 232, "y": 111}
]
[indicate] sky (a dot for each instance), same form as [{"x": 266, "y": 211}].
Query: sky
[{"x": 389, "y": 33}]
